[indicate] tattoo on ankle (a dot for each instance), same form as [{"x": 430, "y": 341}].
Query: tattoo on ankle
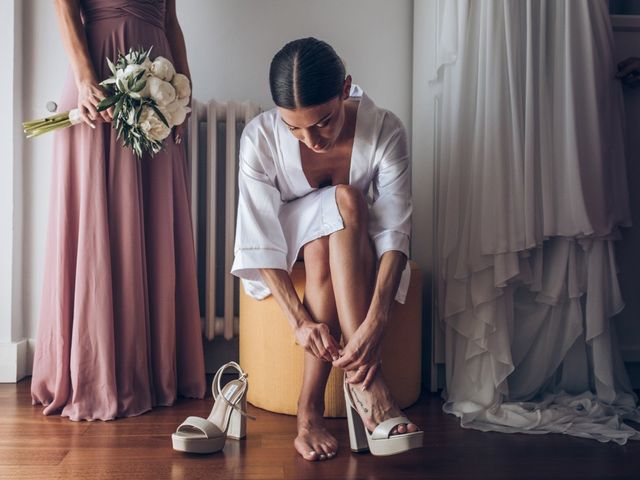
[{"x": 355, "y": 395}]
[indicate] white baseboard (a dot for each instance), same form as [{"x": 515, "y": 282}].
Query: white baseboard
[{"x": 16, "y": 360}]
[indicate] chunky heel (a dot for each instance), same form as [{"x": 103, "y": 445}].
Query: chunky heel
[
  {"x": 238, "y": 423},
  {"x": 357, "y": 435},
  {"x": 380, "y": 441},
  {"x": 228, "y": 417}
]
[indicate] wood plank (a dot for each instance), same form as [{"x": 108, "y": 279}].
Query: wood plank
[{"x": 37, "y": 446}]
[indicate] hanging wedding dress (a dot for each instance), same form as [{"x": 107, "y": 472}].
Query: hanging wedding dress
[{"x": 532, "y": 189}]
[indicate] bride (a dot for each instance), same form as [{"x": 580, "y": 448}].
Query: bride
[{"x": 306, "y": 168}]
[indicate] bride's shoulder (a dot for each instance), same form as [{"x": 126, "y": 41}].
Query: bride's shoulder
[
  {"x": 258, "y": 139},
  {"x": 262, "y": 126}
]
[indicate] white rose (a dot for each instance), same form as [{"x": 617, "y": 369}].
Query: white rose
[
  {"x": 167, "y": 111},
  {"x": 160, "y": 91},
  {"x": 182, "y": 85},
  {"x": 162, "y": 68},
  {"x": 144, "y": 93},
  {"x": 128, "y": 73},
  {"x": 175, "y": 113},
  {"x": 147, "y": 65},
  {"x": 133, "y": 70},
  {"x": 121, "y": 76},
  {"x": 180, "y": 114},
  {"x": 152, "y": 126},
  {"x": 184, "y": 102}
]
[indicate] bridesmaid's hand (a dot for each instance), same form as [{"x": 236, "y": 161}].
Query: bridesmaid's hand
[
  {"x": 178, "y": 132},
  {"x": 89, "y": 95}
]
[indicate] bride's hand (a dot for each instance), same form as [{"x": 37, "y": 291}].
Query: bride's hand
[
  {"x": 316, "y": 339},
  {"x": 89, "y": 95},
  {"x": 361, "y": 355}
]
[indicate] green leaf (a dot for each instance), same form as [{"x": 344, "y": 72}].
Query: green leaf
[
  {"x": 139, "y": 85},
  {"x": 139, "y": 75},
  {"x": 112, "y": 67},
  {"x": 118, "y": 107},
  {"x": 108, "y": 102},
  {"x": 157, "y": 110}
]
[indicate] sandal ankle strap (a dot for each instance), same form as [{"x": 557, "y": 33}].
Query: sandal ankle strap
[
  {"x": 237, "y": 408},
  {"x": 216, "y": 387}
]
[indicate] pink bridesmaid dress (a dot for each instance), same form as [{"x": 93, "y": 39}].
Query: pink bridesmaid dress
[{"x": 119, "y": 327}]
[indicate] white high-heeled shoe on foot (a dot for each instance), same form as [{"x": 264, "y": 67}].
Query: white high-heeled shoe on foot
[
  {"x": 227, "y": 418},
  {"x": 380, "y": 442}
]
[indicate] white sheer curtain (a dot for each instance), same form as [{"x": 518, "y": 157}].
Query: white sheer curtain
[{"x": 532, "y": 189}]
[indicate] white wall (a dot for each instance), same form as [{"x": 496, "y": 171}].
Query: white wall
[
  {"x": 44, "y": 71},
  {"x": 13, "y": 346},
  {"x": 230, "y": 44}
]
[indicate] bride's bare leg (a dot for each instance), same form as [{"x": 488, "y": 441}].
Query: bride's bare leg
[
  {"x": 314, "y": 442},
  {"x": 352, "y": 261}
]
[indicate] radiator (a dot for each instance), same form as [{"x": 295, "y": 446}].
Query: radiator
[{"x": 212, "y": 152}]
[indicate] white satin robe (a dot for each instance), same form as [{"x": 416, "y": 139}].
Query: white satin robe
[{"x": 279, "y": 212}]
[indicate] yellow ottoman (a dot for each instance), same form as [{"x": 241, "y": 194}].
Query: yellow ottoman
[{"x": 274, "y": 362}]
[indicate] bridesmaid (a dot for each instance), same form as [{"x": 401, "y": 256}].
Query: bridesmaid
[{"x": 119, "y": 327}]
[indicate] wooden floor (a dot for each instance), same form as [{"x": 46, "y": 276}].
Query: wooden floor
[{"x": 33, "y": 446}]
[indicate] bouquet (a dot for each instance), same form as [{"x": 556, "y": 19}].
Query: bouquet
[{"x": 148, "y": 98}]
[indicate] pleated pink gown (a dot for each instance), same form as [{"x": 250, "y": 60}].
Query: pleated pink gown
[{"x": 119, "y": 326}]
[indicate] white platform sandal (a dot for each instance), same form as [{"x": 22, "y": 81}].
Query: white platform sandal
[
  {"x": 227, "y": 418},
  {"x": 380, "y": 442}
]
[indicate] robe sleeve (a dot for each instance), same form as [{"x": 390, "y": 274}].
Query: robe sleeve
[
  {"x": 390, "y": 212},
  {"x": 260, "y": 241}
]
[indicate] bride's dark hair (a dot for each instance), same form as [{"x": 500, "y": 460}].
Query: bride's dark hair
[{"x": 305, "y": 73}]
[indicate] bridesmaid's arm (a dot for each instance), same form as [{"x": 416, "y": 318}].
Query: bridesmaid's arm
[
  {"x": 176, "y": 39},
  {"x": 75, "y": 45}
]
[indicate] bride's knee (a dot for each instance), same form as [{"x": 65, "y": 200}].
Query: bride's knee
[
  {"x": 352, "y": 205},
  {"x": 316, "y": 262}
]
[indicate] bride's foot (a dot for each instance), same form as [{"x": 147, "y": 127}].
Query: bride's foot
[
  {"x": 375, "y": 404},
  {"x": 314, "y": 442}
]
